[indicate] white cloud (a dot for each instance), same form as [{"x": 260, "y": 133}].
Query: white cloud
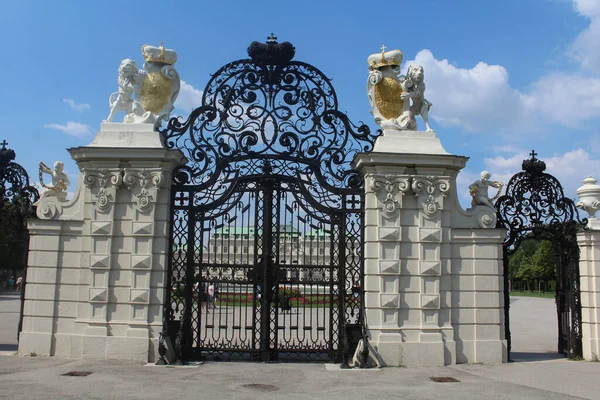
[
  {"x": 569, "y": 168},
  {"x": 477, "y": 98},
  {"x": 585, "y": 47},
  {"x": 587, "y": 8},
  {"x": 480, "y": 99},
  {"x": 77, "y": 107},
  {"x": 72, "y": 128},
  {"x": 189, "y": 97},
  {"x": 567, "y": 99}
]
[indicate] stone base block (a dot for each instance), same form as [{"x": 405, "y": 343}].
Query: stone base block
[
  {"x": 406, "y": 354},
  {"x": 128, "y": 348},
  {"x": 34, "y": 342},
  {"x": 481, "y": 351},
  {"x": 394, "y": 141},
  {"x": 93, "y": 347},
  {"x": 591, "y": 349}
]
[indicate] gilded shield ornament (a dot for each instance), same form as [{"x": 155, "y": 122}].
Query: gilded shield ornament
[
  {"x": 156, "y": 92},
  {"x": 387, "y": 98}
]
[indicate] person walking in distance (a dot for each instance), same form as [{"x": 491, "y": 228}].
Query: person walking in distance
[{"x": 211, "y": 296}]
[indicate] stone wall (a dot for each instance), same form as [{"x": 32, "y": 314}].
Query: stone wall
[
  {"x": 589, "y": 270},
  {"x": 97, "y": 264},
  {"x": 433, "y": 272}
]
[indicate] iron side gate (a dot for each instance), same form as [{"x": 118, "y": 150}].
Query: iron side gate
[
  {"x": 267, "y": 216},
  {"x": 534, "y": 207}
]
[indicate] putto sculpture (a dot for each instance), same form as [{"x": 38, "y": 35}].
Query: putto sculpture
[
  {"x": 479, "y": 190},
  {"x": 396, "y": 99},
  {"x": 146, "y": 95},
  {"x": 60, "y": 181}
]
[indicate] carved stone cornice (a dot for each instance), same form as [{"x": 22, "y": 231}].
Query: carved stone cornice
[
  {"x": 103, "y": 184},
  {"x": 431, "y": 191},
  {"x": 393, "y": 186},
  {"x": 144, "y": 185}
]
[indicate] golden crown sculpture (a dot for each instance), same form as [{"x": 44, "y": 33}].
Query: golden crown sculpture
[
  {"x": 392, "y": 57},
  {"x": 159, "y": 54}
]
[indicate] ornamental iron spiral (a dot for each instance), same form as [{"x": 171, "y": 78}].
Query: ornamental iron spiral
[
  {"x": 15, "y": 188},
  {"x": 268, "y": 107},
  {"x": 535, "y": 207},
  {"x": 534, "y": 202}
]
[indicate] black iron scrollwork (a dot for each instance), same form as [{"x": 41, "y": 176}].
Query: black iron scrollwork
[
  {"x": 269, "y": 106},
  {"x": 267, "y": 211},
  {"x": 14, "y": 182},
  {"x": 17, "y": 197},
  {"x": 534, "y": 201},
  {"x": 534, "y": 206}
]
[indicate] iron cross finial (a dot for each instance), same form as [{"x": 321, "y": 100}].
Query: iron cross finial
[
  {"x": 383, "y": 48},
  {"x": 272, "y": 39},
  {"x": 4, "y": 143},
  {"x": 533, "y": 154}
]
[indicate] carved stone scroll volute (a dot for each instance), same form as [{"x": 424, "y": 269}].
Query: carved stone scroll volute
[
  {"x": 389, "y": 189},
  {"x": 431, "y": 191},
  {"x": 144, "y": 185},
  {"x": 103, "y": 185}
]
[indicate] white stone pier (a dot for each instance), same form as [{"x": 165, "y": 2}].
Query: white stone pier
[
  {"x": 433, "y": 272},
  {"x": 97, "y": 264},
  {"x": 589, "y": 271}
]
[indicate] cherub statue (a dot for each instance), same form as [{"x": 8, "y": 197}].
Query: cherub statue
[
  {"x": 479, "y": 190},
  {"x": 60, "y": 181},
  {"x": 414, "y": 88}
]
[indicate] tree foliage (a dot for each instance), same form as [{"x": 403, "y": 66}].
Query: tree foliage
[{"x": 533, "y": 260}]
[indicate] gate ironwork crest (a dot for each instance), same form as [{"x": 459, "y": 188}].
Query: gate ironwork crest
[
  {"x": 265, "y": 255},
  {"x": 534, "y": 207}
]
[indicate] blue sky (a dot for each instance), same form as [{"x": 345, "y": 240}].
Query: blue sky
[{"x": 503, "y": 76}]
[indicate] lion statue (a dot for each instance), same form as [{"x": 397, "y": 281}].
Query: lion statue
[
  {"x": 414, "y": 88},
  {"x": 130, "y": 81}
]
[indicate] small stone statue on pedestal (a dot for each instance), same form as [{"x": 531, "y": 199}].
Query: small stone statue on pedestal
[
  {"x": 396, "y": 99},
  {"x": 479, "y": 190},
  {"x": 154, "y": 88},
  {"x": 60, "y": 181}
]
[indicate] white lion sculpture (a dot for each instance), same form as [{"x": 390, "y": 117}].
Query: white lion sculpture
[
  {"x": 130, "y": 81},
  {"x": 414, "y": 88}
]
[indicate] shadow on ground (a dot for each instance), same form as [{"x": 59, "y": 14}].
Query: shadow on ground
[{"x": 516, "y": 356}]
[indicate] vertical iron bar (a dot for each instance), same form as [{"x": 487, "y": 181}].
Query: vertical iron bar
[
  {"x": 506, "y": 302},
  {"x": 267, "y": 246}
]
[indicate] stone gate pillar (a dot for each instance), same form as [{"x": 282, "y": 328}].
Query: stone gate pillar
[
  {"x": 97, "y": 263},
  {"x": 433, "y": 272},
  {"x": 589, "y": 272}
]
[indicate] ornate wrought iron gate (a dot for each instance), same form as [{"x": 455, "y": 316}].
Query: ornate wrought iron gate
[
  {"x": 266, "y": 241},
  {"x": 534, "y": 207},
  {"x": 17, "y": 197}
]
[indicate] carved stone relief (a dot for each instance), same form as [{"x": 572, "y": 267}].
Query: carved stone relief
[
  {"x": 107, "y": 182},
  {"x": 393, "y": 186},
  {"x": 431, "y": 191}
]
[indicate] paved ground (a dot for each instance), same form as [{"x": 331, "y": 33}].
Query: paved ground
[{"x": 537, "y": 377}]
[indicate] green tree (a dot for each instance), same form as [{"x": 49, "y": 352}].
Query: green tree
[
  {"x": 544, "y": 261},
  {"x": 519, "y": 263},
  {"x": 534, "y": 260}
]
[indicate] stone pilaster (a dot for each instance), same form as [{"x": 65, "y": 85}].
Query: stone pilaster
[
  {"x": 412, "y": 274},
  {"x": 117, "y": 283},
  {"x": 589, "y": 271}
]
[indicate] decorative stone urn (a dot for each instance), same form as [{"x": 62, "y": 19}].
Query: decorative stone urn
[{"x": 589, "y": 200}]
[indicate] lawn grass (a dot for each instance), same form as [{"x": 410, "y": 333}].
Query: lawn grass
[{"x": 547, "y": 295}]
